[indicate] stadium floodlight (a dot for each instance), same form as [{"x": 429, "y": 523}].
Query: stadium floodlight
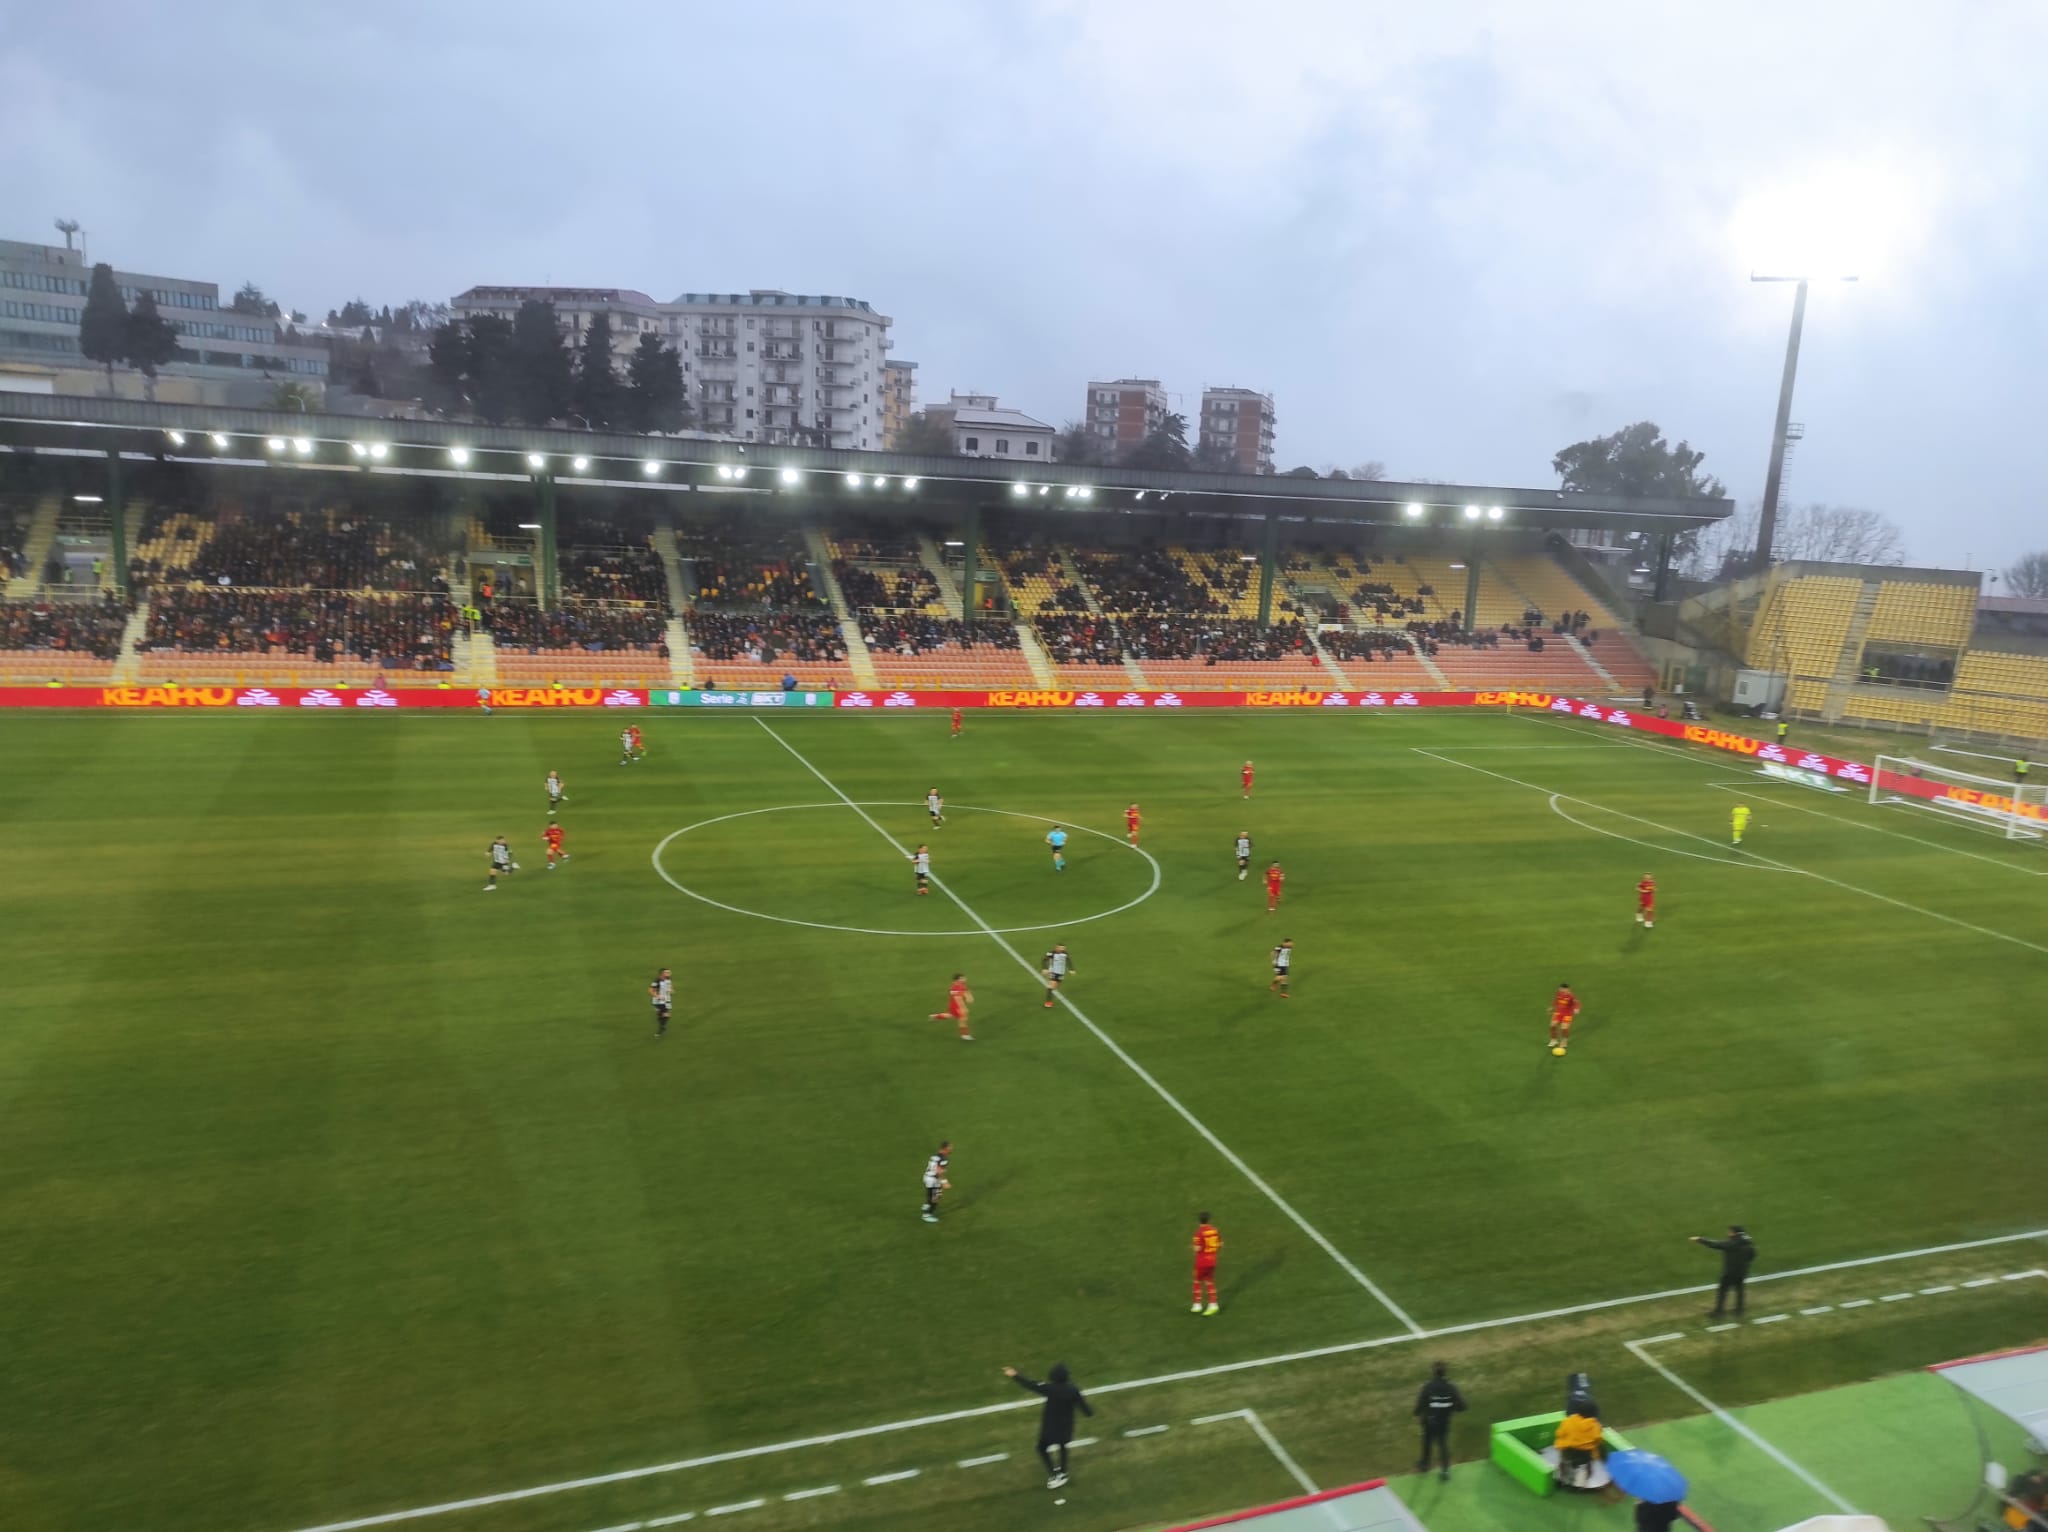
[
  {"x": 853, "y": 481},
  {"x": 177, "y": 438},
  {"x": 910, "y": 483},
  {"x": 275, "y": 444},
  {"x": 379, "y": 451},
  {"x": 1494, "y": 513},
  {"x": 791, "y": 476},
  {"x": 86, "y": 499},
  {"x": 459, "y": 456},
  {"x": 359, "y": 449},
  {"x": 1412, "y": 509},
  {"x": 536, "y": 460},
  {"x": 302, "y": 445},
  {"x": 880, "y": 481},
  {"x": 529, "y": 526},
  {"x": 740, "y": 472},
  {"x": 1045, "y": 489},
  {"x": 579, "y": 463},
  {"x": 1140, "y": 496},
  {"x": 954, "y": 542},
  {"x": 1471, "y": 513},
  {"x": 650, "y": 468},
  {"x": 219, "y": 439},
  {"x": 1070, "y": 491},
  {"x": 1248, "y": 558},
  {"x": 1020, "y": 489},
  {"x": 1087, "y": 493},
  {"x": 725, "y": 470},
  {"x": 2014, "y": 810}
]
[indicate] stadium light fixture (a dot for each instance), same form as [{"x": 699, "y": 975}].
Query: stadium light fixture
[
  {"x": 459, "y": 456},
  {"x": 275, "y": 444},
  {"x": 954, "y": 542},
  {"x": 86, "y": 499},
  {"x": 359, "y": 449},
  {"x": 536, "y": 460},
  {"x": 1087, "y": 493},
  {"x": 379, "y": 451},
  {"x": 791, "y": 476},
  {"x": 881, "y": 481},
  {"x": 725, "y": 470},
  {"x": 579, "y": 463},
  {"x": 1412, "y": 509},
  {"x": 1140, "y": 496},
  {"x": 1045, "y": 489},
  {"x": 1248, "y": 558},
  {"x": 219, "y": 440},
  {"x": 740, "y": 472},
  {"x": 1020, "y": 489},
  {"x": 177, "y": 438},
  {"x": 302, "y": 445},
  {"x": 1454, "y": 566},
  {"x": 1494, "y": 513},
  {"x": 853, "y": 481},
  {"x": 1070, "y": 491},
  {"x": 650, "y": 468},
  {"x": 910, "y": 483},
  {"x": 529, "y": 526},
  {"x": 1471, "y": 513}
]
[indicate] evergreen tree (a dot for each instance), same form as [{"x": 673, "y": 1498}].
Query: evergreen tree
[
  {"x": 103, "y": 326},
  {"x": 596, "y": 394},
  {"x": 150, "y": 340},
  {"x": 655, "y": 399},
  {"x": 539, "y": 381}
]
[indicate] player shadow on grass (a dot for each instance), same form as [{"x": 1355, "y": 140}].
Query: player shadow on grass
[{"x": 1245, "y": 1278}]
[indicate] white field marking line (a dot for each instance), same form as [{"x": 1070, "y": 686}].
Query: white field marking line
[
  {"x": 812, "y": 1494},
  {"x": 1641, "y": 1352},
  {"x": 1771, "y": 1319},
  {"x": 1680, "y": 752},
  {"x": 1975, "y": 755},
  {"x": 624, "y": 1526},
  {"x": 1818, "y": 877},
  {"x": 672, "y": 1521},
  {"x": 1818, "y": 1308},
  {"x": 1778, "y": 802},
  {"x": 1229, "y": 1154},
  {"x": 1894, "y": 1297},
  {"x": 1731, "y": 859},
  {"x": 983, "y": 1462},
  {"x": 893, "y": 1478},
  {"x": 822, "y": 925},
  {"x": 1717, "y": 1329},
  {"x": 1308, "y": 1485},
  {"x": 1945, "y": 1287},
  {"x": 737, "y": 1505},
  {"x": 1191, "y": 1375},
  {"x": 1146, "y": 1430},
  {"x": 1083, "y": 1441}
]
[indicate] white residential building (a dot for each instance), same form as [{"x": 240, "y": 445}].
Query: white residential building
[
  {"x": 983, "y": 428},
  {"x": 784, "y": 367}
]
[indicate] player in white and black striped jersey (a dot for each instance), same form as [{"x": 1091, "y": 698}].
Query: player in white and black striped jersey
[
  {"x": 1054, "y": 968},
  {"x": 661, "y": 994},
  {"x": 1283, "y": 965},
  {"x": 1244, "y": 853},
  {"x": 935, "y": 806},
  {"x": 501, "y": 861},
  {"x": 921, "y": 864},
  {"x": 935, "y": 1182},
  {"x": 555, "y": 798}
]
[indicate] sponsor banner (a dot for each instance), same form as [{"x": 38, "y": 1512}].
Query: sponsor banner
[
  {"x": 338, "y": 698},
  {"x": 1762, "y": 751},
  {"x": 1968, "y": 797},
  {"x": 774, "y": 698},
  {"x": 1112, "y": 698}
]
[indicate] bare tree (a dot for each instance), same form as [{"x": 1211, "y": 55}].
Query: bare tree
[
  {"x": 1823, "y": 534},
  {"x": 2028, "y": 575}
]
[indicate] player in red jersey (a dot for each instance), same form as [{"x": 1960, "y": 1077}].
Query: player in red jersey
[
  {"x": 1207, "y": 1243},
  {"x": 1646, "y": 901},
  {"x": 1564, "y": 1010},
  {"x": 634, "y": 747},
  {"x": 1131, "y": 823},
  {"x": 958, "y": 998},
  {"x": 1245, "y": 779},
  {"x": 1274, "y": 878},
  {"x": 958, "y": 719},
  {"x": 553, "y": 836}
]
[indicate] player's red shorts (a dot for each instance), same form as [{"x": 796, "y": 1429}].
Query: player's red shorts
[
  {"x": 1204, "y": 1270},
  {"x": 955, "y": 1011},
  {"x": 1646, "y": 901},
  {"x": 1562, "y": 1023}
]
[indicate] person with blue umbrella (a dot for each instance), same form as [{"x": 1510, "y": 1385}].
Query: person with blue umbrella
[{"x": 1656, "y": 1484}]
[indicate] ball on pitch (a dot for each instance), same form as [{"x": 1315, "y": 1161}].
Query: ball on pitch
[{"x": 1557, "y": 1053}]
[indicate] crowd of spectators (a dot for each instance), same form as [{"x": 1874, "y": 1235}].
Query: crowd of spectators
[
  {"x": 1146, "y": 580},
  {"x": 64, "y": 627},
  {"x": 920, "y": 634},
  {"x": 1577, "y": 624},
  {"x": 909, "y": 588},
  {"x": 13, "y": 541},
  {"x": 749, "y": 567},
  {"x": 597, "y": 627},
  {"x": 399, "y": 632},
  {"x": 1078, "y": 638},
  {"x": 767, "y": 637},
  {"x": 1349, "y": 644},
  {"x": 316, "y": 550},
  {"x": 1384, "y": 602},
  {"x": 615, "y": 574},
  {"x": 1214, "y": 640},
  {"x": 875, "y": 540}
]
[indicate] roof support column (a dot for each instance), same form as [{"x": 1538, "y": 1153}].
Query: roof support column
[
  {"x": 970, "y": 535},
  {"x": 1472, "y": 583},
  {"x": 547, "y": 579},
  {"x": 1269, "y": 559},
  {"x": 117, "y": 507}
]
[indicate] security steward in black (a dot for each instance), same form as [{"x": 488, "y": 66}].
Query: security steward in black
[
  {"x": 1738, "y": 1254},
  {"x": 1434, "y": 1407},
  {"x": 1056, "y": 1420}
]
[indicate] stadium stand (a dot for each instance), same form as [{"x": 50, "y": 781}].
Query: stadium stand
[
  {"x": 748, "y": 566},
  {"x": 1998, "y": 693},
  {"x": 1917, "y": 612},
  {"x": 62, "y": 640},
  {"x": 917, "y": 651},
  {"x": 1800, "y": 629},
  {"x": 203, "y": 632},
  {"x": 757, "y": 649}
]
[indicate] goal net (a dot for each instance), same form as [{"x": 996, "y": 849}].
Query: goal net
[{"x": 2015, "y": 810}]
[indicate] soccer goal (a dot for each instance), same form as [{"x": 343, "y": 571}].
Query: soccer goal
[{"x": 2016, "y": 811}]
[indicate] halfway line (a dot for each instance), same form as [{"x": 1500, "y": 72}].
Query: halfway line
[{"x": 1114, "y": 1047}]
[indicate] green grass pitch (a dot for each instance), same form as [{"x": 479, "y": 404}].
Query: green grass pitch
[{"x": 332, "y": 1185}]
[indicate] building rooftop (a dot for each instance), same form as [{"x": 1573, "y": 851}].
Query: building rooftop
[
  {"x": 768, "y": 297},
  {"x": 487, "y": 290},
  {"x": 1010, "y": 420}
]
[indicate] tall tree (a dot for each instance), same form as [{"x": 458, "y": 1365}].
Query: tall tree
[
  {"x": 151, "y": 340},
  {"x": 492, "y": 389},
  {"x": 540, "y": 381},
  {"x": 596, "y": 394},
  {"x": 1077, "y": 444},
  {"x": 655, "y": 400},
  {"x": 250, "y": 299},
  {"x": 1164, "y": 446},
  {"x": 354, "y": 315},
  {"x": 103, "y": 326},
  {"x": 927, "y": 435},
  {"x": 2028, "y": 576},
  {"x": 1638, "y": 462},
  {"x": 1302, "y": 472}
]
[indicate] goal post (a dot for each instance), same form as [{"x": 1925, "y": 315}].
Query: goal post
[{"x": 2015, "y": 810}]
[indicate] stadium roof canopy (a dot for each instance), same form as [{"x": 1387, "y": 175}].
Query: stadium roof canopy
[{"x": 878, "y": 481}]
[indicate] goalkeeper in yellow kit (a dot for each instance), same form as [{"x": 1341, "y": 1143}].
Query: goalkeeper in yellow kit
[{"x": 1740, "y": 821}]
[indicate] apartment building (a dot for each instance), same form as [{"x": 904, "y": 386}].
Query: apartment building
[
  {"x": 983, "y": 428},
  {"x": 1237, "y": 425},
  {"x": 223, "y": 357},
  {"x": 899, "y": 399},
  {"x": 633, "y": 314},
  {"x": 784, "y": 367},
  {"x": 1123, "y": 413}
]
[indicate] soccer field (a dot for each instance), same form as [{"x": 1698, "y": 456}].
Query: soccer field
[{"x": 331, "y": 1185}]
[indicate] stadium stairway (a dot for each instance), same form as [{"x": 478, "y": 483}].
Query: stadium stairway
[
  {"x": 1036, "y": 657},
  {"x": 1080, "y": 582},
  {"x": 1844, "y": 680},
  {"x": 858, "y": 659},
  {"x": 679, "y": 589},
  {"x": 127, "y": 664},
  {"x": 1606, "y": 676},
  {"x": 682, "y": 664},
  {"x": 1436, "y": 673},
  {"x": 42, "y": 531},
  {"x": 935, "y": 565},
  {"x": 475, "y": 655},
  {"x": 1330, "y": 666}
]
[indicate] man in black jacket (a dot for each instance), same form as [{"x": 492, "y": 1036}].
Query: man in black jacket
[
  {"x": 1056, "y": 1420},
  {"x": 1738, "y": 1253},
  {"x": 1434, "y": 1407}
]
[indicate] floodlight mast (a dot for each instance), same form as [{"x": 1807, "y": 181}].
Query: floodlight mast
[{"x": 1767, "y": 518}]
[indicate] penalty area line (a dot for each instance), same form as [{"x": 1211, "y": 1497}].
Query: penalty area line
[{"x": 1237, "y": 1163}]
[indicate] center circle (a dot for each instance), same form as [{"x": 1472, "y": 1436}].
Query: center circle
[{"x": 951, "y": 808}]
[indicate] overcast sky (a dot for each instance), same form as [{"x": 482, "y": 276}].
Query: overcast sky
[{"x": 1451, "y": 237}]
